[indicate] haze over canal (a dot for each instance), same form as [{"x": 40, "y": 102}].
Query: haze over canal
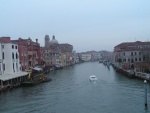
[{"x": 70, "y": 91}]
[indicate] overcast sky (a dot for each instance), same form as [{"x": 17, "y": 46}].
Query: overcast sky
[{"x": 85, "y": 24}]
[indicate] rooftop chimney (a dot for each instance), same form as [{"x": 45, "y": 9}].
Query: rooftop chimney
[{"x": 36, "y": 40}]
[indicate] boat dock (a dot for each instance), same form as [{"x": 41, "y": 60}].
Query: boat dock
[
  {"x": 143, "y": 76},
  {"x": 10, "y": 81}
]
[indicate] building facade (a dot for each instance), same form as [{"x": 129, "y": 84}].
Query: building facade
[
  {"x": 86, "y": 57},
  {"x": 133, "y": 55},
  {"x": 57, "y": 54},
  {"x": 9, "y": 58},
  {"x": 30, "y": 53}
]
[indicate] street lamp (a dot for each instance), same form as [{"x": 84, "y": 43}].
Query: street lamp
[{"x": 145, "y": 82}]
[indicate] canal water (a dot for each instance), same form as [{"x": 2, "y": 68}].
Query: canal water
[{"x": 70, "y": 91}]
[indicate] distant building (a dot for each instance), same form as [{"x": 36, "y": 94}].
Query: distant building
[
  {"x": 133, "y": 55},
  {"x": 58, "y": 54},
  {"x": 75, "y": 57},
  {"x": 51, "y": 57},
  {"x": 94, "y": 55},
  {"x": 30, "y": 54},
  {"x": 106, "y": 55},
  {"x": 86, "y": 57}
]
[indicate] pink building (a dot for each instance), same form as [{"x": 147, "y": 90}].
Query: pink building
[{"x": 29, "y": 51}]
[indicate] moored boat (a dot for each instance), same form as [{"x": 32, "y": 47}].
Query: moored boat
[{"x": 35, "y": 77}]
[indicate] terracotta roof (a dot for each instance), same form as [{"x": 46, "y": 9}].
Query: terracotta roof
[
  {"x": 133, "y": 46},
  {"x": 5, "y": 39}
]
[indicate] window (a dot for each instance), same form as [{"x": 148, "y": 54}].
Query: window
[
  {"x": 124, "y": 54},
  {"x": 132, "y": 60},
  {"x": 124, "y": 60},
  {"x": 139, "y": 53},
  {"x": 131, "y": 53},
  {"x": 139, "y": 59},
  {"x": 12, "y": 46},
  {"x": 3, "y": 55},
  {"x": 128, "y": 60},
  {"x": 3, "y": 46},
  {"x": 16, "y": 47},
  {"x": 4, "y": 67},
  {"x": 12, "y": 55},
  {"x": 16, "y": 56},
  {"x": 135, "y": 59},
  {"x": 135, "y": 53}
]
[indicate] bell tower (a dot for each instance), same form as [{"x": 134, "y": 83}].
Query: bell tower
[{"x": 47, "y": 39}]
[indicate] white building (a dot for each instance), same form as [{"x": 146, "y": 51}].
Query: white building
[
  {"x": 76, "y": 58},
  {"x": 1, "y": 66},
  {"x": 86, "y": 57},
  {"x": 9, "y": 58}
]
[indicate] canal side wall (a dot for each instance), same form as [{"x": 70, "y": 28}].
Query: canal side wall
[
  {"x": 128, "y": 73},
  {"x": 133, "y": 74},
  {"x": 143, "y": 76}
]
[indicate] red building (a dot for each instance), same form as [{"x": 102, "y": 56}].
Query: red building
[{"x": 29, "y": 52}]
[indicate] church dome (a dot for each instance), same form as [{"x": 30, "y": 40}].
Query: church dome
[{"x": 53, "y": 41}]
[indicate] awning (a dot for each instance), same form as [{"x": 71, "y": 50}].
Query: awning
[
  {"x": 12, "y": 76},
  {"x": 38, "y": 69}
]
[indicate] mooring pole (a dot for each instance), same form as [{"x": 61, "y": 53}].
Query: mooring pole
[
  {"x": 145, "y": 82},
  {"x": 53, "y": 70}
]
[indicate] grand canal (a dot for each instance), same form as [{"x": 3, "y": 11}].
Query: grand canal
[{"x": 70, "y": 91}]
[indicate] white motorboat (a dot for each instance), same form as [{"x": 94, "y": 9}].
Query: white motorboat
[{"x": 93, "y": 78}]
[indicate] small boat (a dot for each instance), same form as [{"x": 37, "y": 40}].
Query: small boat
[{"x": 93, "y": 78}]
